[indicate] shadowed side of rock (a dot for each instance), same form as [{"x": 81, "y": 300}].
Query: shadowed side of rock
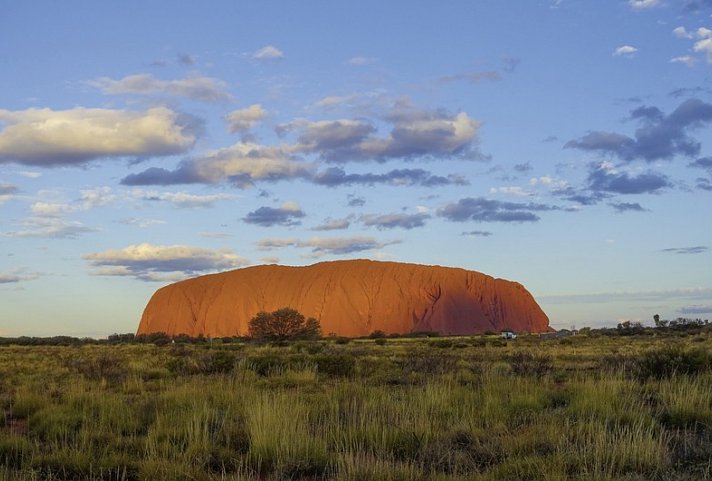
[{"x": 349, "y": 298}]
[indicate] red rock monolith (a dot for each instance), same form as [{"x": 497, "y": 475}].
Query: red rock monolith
[{"x": 349, "y": 298}]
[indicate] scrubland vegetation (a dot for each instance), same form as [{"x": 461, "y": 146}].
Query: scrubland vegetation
[{"x": 594, "y": 407}]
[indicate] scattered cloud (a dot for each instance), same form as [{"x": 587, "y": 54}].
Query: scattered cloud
[
  {"x": 628, "y": 296},
  {"x": 659, "y": 136},
  {"x": 149, "y": 262},
  {"x": 16, "y": 276},
  {"x": 268, "y": 52},
  {"x": 139, "y": 222},
  {"x": 335, "y": 176},
  {"x": 477, "y": 233},
  {"x": 681, "y": 32},
  {"x": 704, "y": 43},
  {"x": 701, "y": 163},
  {"x": 203, "y": 89},
  {"x": 413, "y": 133},
  {"x": 704, "y": 184},
  {"x": 96, "y": 197},
  {"x": 481, "y": 209},
  {"x": 328, "y": 246},
  {"x": 30, "y": 174},
  {"x": 696, "y": 309},
  {"x": 334, "y": 224},
  {"x": 523, "y": 167},
  {"x": 180, "y": 199},
  {"x": 396, "y": 220},
  {"x": 286, "y": 215},
  {"x": 7, "y": 192},
  {"x": 49, "y": 227},
  {"x": 50, "y": 138},
  {"x": 625, "y": 50},
  {"x": 644, "y": 4},
  {"x": 356, "y": 201},
  {"x": 241, "y": 164},
  {"x": 46, "y": 209},
  {"x": 604, "y": 177},
  {"x": 510, "y": 190},
  {"x": 687, "y": 250},
  {"x": 245, "y": 119},
  {"x": 688, "y": 60},
  {"x": 185, "y": 59},
  {"x": 621, "y": 207}
]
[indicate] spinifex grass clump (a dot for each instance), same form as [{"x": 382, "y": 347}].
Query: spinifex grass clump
[{"x": 412, "y": 409}]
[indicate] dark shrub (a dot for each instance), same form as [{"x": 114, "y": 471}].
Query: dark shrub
[
  {"x": 381, "y": 341},
  {"x": 105, "y": 367},
  {"x": 664, "y": 362},
  {"x": 337, "y": 365},
  {"x": 528, "y": 364},
  {"x": 442, "y": 343}
]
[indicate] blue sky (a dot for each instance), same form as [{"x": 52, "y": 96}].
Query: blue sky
[{"x": 563, "y": 144}]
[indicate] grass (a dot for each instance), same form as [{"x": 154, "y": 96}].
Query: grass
[{"x": 594, "y": 408}]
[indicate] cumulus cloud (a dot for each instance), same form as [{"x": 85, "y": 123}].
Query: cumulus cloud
[
  {"x": 396, "y": 220},
  {"x": 659, "y": 136},
  {"x": 245, "y": 119},
  {"x": 604, "y": 177},
  {"x": 49, "y": 138},
  {"x": 335, "y": 176},
  {"x": 241, "y": 164},
  {"x": 328, "y": 246},
  {"x": 625, "y": 50},
  {"x": 204, "y": 89},
  {"x": 268, "y": 52},
  {"x": 704, "y": 43},
  {"x": 180, "y": 199},
  {"x": 286, "y": 215},
  {"x": 687, "y": 250},
  {"x": 480, "y": 209},
  {"x": 511, "y": 190},
  {"x": 47, "y": 209},
  {"x": 149, "y": 262},
  {"x": 681, "y": 32},
  {"x": 413, "y": 133}
]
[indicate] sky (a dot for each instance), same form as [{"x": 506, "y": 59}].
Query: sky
[{"x": 566, "y": 145}]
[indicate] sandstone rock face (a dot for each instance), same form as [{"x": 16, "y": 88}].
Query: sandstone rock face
[{"x": 349, "y": 298}]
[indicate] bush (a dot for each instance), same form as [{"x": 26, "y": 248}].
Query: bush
[
  {"x": 337, "y": 365},
  {"x": 664, "y": 362},
  {"x": 528, "y": 364},
  {"x": 104, "y": 367},
  {"x": 282, "y": 324}
]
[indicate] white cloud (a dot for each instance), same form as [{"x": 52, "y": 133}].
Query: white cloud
[
  {"x": 16, "y": 276},
  {"x": 47, "y": 138},
  {"x": 625, "y": 50},
  {"x": 162, "y": 263},
  {"x": 246, "y": 162},
  {"x": 97, "y": 197},
  {"x": 268, "y": 52},
  {"x": 245, "y": 119},
  {"x": 139, "y": 222},
  {"x": 204, "y": 89},
  {"x": 688, "y": 60},
  {"x": 510, "y": 190},
  {"x": 7, "y": 192},
  {"x": 30, "y": 174},
  {"x": 180, "y": 199},
  {"x": 681, "y": 32},
  {"x": 704, "y": 44},
  {"x": 334, "y": 100},
  {"x": 643, "y": 4},
  {"x": 46, "y": 209},
  {"x": 549, "y": 182}
]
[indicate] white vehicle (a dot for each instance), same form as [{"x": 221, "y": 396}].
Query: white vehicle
[{"x": 508, "y": 335}]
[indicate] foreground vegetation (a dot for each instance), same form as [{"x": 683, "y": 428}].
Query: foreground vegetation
[{"x": 634, "y": 407}]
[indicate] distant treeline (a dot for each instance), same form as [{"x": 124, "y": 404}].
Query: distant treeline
[{"x": 627, "y": 328}]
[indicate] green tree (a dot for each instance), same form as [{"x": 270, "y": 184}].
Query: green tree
[{"x": 284, "y": 323}]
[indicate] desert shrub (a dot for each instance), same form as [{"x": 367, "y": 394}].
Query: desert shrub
[
  {"x": 666, "y": 361},
  {"x": 342, "y": 340},
  {"x": 442, "y": 343},
  {"x": 427, "y": 362},
  {"x": 337, "y": 365},
  {"x": 377, "y": 334},
  {"x": 528, "y": 364},
  {"x": 380, "y": 341},
  {"x": 282, "y": 324},
  {"x": 103, "y": 367}
]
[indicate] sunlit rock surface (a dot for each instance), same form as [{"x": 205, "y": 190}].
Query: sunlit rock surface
[{"x": 349, "y": 298}]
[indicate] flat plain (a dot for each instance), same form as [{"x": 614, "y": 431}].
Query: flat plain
[{"x": 597, "y": 406}]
